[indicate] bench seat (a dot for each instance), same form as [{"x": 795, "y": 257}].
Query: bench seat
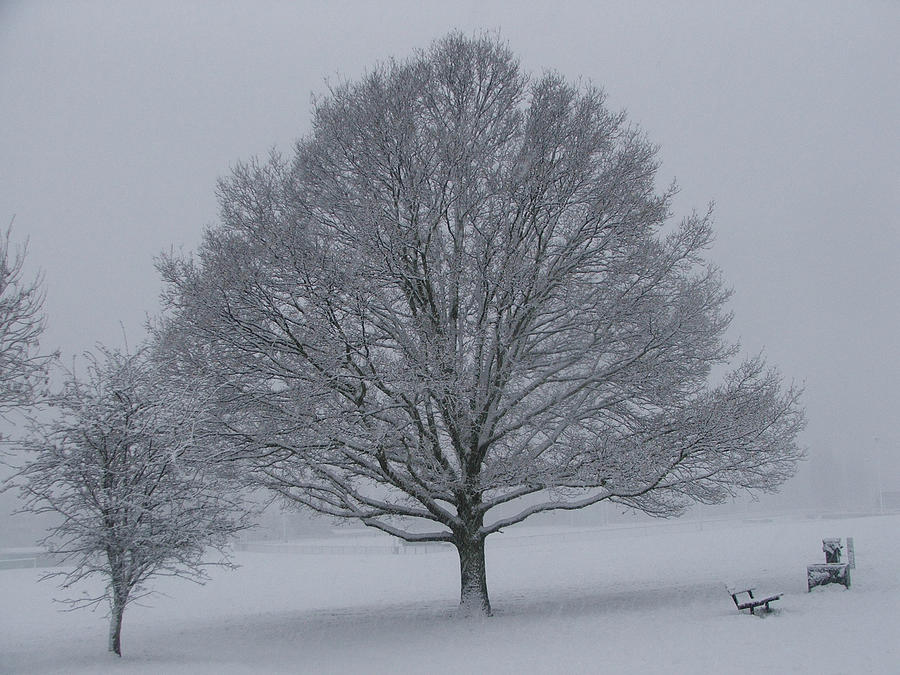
[{"x": 753, "y": 602}]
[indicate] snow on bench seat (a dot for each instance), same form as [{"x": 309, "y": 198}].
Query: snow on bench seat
[{"x": 752, "y": 602}]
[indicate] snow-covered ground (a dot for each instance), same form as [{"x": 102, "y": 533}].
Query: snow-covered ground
[{"x": 649, "y": 599}]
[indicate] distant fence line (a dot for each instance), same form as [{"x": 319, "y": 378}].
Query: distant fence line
[
  {"x": 17, "y": 563},
  {"x": 15, "y": 560},
  {"x": 398, "y": 548},
  {"x": 521, "y": 537},
  {"x": 533, "y": 536}
]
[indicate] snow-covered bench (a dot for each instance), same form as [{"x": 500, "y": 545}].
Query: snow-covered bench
[
  {"x": 752, "y": 603},
  {"x": 827, "y": 573}
]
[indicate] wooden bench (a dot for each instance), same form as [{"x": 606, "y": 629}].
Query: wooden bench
[{"x": 753, "y": 602}]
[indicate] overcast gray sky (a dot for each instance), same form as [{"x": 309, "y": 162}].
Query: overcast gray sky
[{"x": 116, "y": 118}]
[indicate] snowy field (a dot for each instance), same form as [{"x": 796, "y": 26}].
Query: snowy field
[{"x": 614, "y": 600}]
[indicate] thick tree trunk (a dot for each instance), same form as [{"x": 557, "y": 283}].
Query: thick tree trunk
[
  {"x": 473, "y": 594},
  {"x": 115, "y": 625}
]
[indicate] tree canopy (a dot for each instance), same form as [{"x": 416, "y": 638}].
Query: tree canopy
[
  {"x": 23, "y": 370},
  {"x": 463, "y": 301}
]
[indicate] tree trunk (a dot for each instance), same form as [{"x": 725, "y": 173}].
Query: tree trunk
[
  {"x": 473, "y": 594},
  {"x": 115, "y": 625}
]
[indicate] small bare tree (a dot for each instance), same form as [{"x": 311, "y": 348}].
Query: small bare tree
[
  {"x": 23, "y": 370},
  {"x": 464, "y": 303},
  {"x": 123, "y": 468}
]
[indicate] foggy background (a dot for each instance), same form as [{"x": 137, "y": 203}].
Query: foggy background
[{"x": 116, "y": 118}]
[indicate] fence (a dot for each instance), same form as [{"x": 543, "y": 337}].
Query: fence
[
  {"x": 17, "y": 563},
  {"x": 340, "y": 548}
]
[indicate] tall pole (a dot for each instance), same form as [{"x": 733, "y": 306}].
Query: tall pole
[{"x": 878, "y": 470}]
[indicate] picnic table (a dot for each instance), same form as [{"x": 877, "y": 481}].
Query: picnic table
[{"x": 832, "y": 571}]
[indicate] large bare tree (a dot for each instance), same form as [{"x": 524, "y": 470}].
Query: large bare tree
[
  {"x": 463, "y": 302},
  {"x": 123, "y": 467}
]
